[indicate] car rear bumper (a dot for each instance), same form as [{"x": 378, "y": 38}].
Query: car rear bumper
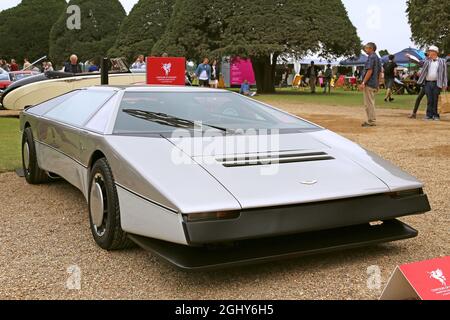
[{"x": 271, "y": 222}]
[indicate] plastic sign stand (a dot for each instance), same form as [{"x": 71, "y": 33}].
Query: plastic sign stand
[
  {"x": 426, "y": 280},
  {"x": 166, "y": 71}
]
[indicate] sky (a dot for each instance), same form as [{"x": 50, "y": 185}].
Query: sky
[{"x": 381, "y": 21}]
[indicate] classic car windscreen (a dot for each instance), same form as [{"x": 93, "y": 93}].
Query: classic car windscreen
[{"x": 156, "y": 112}]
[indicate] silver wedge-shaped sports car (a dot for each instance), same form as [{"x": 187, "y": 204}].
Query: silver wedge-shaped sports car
[{"x": 208, "y": 178}]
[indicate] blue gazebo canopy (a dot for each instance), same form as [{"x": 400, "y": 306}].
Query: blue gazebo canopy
[
  {"x": 355, "y": 62},
  {"x": 401, "y": 58}
]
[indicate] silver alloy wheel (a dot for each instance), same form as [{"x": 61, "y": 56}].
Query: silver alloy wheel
[
  {"x": 98, "y": 204},
  {"x": 26, "y": 156}
]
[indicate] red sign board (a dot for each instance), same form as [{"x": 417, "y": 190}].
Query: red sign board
[
  {"x": 426, "y": 280},
  {"x": 166, "y": 71}
]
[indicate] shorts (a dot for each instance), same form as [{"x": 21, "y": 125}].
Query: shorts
[
  {"x": 213, "y": 82},
  {"x": 389, "y": 83}
]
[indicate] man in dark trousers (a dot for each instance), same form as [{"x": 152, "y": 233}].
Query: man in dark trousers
[
  {"x": 422, "y": 87},
  {"x": 73, "y": 66},
  {"x": 311, "y": 74},
  {"x": 390, "y": 71},
  {"x": 327, "y": 79},
  {"x": 434, "y": 76}
]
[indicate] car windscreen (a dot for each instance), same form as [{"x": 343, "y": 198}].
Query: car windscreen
[
  {"x": 20, "y": 76},
  {"x": 162, "y": 112}
]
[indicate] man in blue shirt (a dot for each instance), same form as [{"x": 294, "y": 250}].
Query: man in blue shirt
[
  {"x": 371, "y": 83},
  {"x": 245, "y": 89}
]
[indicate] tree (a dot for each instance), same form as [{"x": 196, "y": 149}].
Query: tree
[
  {"x": 430, "y": 23},
  {"x": 190, "y": 32},
  {"x": 100, "y": 24},
  {"x": 261, "y": 30},
  {"x": 264, "y": 30},
  {"x": 25, "y": 29},
  {"x": 383, "y": 53},
  {"x": 142, "y": 28}
]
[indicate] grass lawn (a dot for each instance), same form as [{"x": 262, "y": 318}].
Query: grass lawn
[
  {"x": 10, "y": 157},
  {"x": 338, "y": 97}
]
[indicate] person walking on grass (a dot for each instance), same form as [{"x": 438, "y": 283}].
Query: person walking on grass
[
  {"x": 390, "y": 71},
  {"x": 203, "y": 73},
  {"x": 214, "y": 80},
  {"x": 434, "y": 77},
  {"x": 371, "y": 83},
  {"x": 311, "y": 74},
  {"x": 422, "y": 87},
  {"x": 328, "y": 74}
]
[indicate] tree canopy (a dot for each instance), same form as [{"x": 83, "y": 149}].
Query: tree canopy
[
  {"x": 143, "y": 27},
  {"x": 25, "y": 29},
  {"x": 430, "y": 23},
  {"x": 100, "y": 24},
  {"x": 188, "y": 33},
  {"x": 262, "y": 30}
]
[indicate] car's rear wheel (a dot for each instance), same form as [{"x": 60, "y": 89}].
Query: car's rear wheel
[
  {"x": 33, "y": 174},
  {"x": 104, "y": 210}
]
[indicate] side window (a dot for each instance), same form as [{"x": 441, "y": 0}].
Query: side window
[
  {"x": 80, "y": 107},
  {"x": 46, "y": 106}
]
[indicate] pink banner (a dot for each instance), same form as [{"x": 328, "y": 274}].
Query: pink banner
[{"x": 240, "y": 70}]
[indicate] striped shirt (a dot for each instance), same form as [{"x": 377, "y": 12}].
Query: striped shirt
[{"x": 441, "y": 72}]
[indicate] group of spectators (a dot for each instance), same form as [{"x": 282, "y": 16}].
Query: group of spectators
[
  {"x": 72, "y": 66},
  {"x": 433, "y": 79},
  {"x": 14, "y": 66},
  {"x": 208, "y": 74},
  {"x": 313, "y": 73}
]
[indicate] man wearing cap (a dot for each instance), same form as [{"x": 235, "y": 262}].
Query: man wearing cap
[
  {"x": 371, "y": 83},
  {"x": 434, "y": 76}
]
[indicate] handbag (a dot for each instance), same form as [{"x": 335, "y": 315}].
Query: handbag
[{"x": 444, "y": 103}]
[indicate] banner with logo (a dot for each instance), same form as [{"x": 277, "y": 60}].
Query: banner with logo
[
  {"x": 426, "y": 280},
  {"x": 166, "y": 71}
]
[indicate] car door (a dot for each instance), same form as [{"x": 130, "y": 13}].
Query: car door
[{"x": 65, "y": 136}]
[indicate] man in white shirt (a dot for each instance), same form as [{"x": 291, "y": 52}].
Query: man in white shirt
[
  {"x": 434, "y": 76},
  {"x": 139, "y": 63}
]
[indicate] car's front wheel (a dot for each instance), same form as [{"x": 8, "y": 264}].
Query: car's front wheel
[
  {"x": 33, "y": 174},
  {"x": 104, "y": 210}
]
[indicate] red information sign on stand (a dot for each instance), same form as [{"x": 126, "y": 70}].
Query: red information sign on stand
[
  {"x": 166, "y": 71},
  {"x": 426, "y": 280}
]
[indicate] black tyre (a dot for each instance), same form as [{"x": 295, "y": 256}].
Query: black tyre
[
  {"x": 104, "y": 210},
  {"x": 33, "y": 174}
]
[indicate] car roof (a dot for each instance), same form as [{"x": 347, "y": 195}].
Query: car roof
[{"x": 151, "y": 88}]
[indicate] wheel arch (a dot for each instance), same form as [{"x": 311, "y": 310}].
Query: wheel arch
[{"x": 96, "y": 155}]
